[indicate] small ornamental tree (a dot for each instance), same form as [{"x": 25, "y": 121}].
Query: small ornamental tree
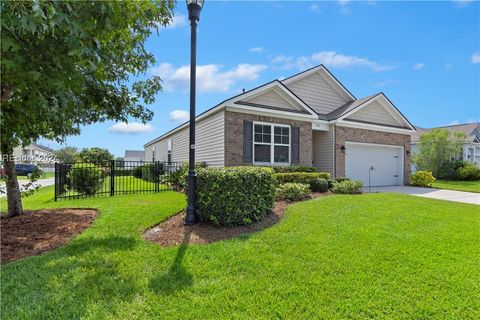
[
  {"x": 95, "y": 155},
  {"x": 66, "y": 154},
  {"x": 69, "y": 64},
  {"x": 436, "y": 148}
]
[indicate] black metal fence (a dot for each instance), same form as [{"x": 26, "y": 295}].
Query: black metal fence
[{"x": 109, "y": 178}]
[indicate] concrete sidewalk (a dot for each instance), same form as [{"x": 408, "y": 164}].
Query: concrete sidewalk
[{"x": 449, "y": 195}]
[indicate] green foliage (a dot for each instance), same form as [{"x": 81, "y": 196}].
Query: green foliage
[
  {"x": 348, "y": 187},
  {"x": 85, "y": 178},
  {"x": 300, "y": 177},
  {"x": 95, "y": 155},
  {"x": 178, "y": 178},
  {"x": 469, "y": 171},
  {"x": 449, "y": 169},
  {"x": 422, "y": 179},
  {"x": 469, "y": 186},
  {"x": 292, "y": 191},
  {"x": 341, "y": 179},
  {"x": 436, "y": 148},
  {"x": 68, "y": 64},
  {"x": 66, "y": 154},
  {"x": 151, "y": 172},
  {"x": 319, "y": 185},
  {"x": 234, "y": 196},
  {"x": 286, "y": 169}
]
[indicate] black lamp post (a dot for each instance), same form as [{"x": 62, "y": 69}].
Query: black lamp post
[{"x": 194, "y": 8}]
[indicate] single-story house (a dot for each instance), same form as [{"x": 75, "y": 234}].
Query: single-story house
[
  {"x": 471, "y": 145},
  {"x": 134, "y": 155},
  {"x": 307, "y": 119}
]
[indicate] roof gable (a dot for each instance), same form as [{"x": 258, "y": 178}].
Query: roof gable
[
  {"x": 376, "y": 110},
  {"x": 273, "y": 96},
  {"x": 318, "y": 88}
]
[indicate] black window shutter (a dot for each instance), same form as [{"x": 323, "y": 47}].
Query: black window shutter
[
  {"x": 295, "y": 144},
  {"x": 247, "y": 141}
]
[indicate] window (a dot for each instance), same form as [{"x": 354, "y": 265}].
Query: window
[
  {"x": 153, "y": 154},
  {"x": 268, "y": 149},
  {"x": 169, "y": 150}
]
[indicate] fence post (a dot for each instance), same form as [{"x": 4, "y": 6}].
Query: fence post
[
  {"x": 157, "y": 172},
  {"x": 112, "y": 178},
  {"x": 56, "y": 181}
]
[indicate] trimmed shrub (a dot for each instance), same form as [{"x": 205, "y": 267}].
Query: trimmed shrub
[
  {"x": 151, "y": 172},
  {"x": 331, "y": 183},
  {"x": 341, "y": 179},
  {"x": 469, "y": 171},
  {"x": 449, "y": 169},
  {"x": 348, "y": 187},
  {"x": 234, "y": 196},
  {"x": 300, "y": 177},
  {"x": 292, "y": 191},
  {"x": 137, "y": 172},
  {"x": 287, "y": 169},
  {"x": 85, "y": 178},
  {"x": 179, "y": 177},
  {"x": 422, "y": 179},
  {"x": 319, "y": 185}
]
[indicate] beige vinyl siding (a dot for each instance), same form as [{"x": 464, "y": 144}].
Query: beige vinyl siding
[
  {"x": 316, "y": 92},
  {"x": 323, "y": 150},
  {"x": 376, "y": 113},
  {"x": 275, "y": 99},
  {"x": 160, "y": 151},
  {"x": 210, "y": 142}
]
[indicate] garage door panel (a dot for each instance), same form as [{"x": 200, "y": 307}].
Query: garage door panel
[{"x": 382, "y": 163}]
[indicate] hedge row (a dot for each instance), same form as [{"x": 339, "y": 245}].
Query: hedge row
[
  {"x": 235, "y": 196},
  {"x": 300, "y": 177}
]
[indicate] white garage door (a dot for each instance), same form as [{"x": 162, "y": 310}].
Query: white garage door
[{"x": 374, "y": 164}]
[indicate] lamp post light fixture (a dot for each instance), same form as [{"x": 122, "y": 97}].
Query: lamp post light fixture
[{"x": 194, "y": 8}]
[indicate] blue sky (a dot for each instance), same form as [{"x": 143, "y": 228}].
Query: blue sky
[{"x": 425, "y": 56}]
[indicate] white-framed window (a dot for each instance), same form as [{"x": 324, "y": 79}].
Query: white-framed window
[
  {"x": 271, "y": 143},
  {"x": 169, "y": 150}
]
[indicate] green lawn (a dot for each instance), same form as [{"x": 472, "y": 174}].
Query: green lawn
[
  {"x": 382, "y": 256},
  {"x": 470, "y": 186}
]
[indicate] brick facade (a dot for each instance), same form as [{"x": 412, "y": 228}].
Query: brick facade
[
  {"x": 234, "y": 136},
  {"x": 343, "y": 134}
]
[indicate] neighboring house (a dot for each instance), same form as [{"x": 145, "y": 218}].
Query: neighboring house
[
  {"x": 307, "y": 119},
  {"x": 134, "y": 155},
  {"x": 471, "y": 145},
  {"x": 33, "y": 153}
]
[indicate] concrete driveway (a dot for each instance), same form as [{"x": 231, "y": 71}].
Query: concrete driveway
[{"x": 449, "y": 195}]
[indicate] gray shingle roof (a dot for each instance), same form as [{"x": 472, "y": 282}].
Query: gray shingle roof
[{"x": 466, "y": 128}]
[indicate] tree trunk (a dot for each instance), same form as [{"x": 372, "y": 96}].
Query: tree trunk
[{"x": 14, "y": 198}]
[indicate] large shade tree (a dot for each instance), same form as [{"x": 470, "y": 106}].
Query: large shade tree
[{"x": 68, "y": 64}]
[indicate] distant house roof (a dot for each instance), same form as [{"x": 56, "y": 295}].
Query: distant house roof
[
  {"x": 134, "y": 154},
  {"x": 39, "y": 146},
  {"x": 467, "y": 128}
]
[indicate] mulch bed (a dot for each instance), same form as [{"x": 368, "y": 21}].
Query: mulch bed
[
  {"x": 38, "y": 231},
  {"x": 173, "y": 232}
]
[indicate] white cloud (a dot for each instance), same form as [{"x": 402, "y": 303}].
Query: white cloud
[
  {"x": 177, "y": 21},
  {"x": 463, "y": 3},
  {"x": 315, "y": 8},
  {"x": 385, "y": 83},
  {"x": 419, "y": 66},
  {"x": 209, "y": 76},
  {"x": 476, "y": 57},
  {"x": 131, "y": 128},
  {"x": 329, "y": 59},
  {"x": 256, "y": 50},
  {"x": 179, "y": 116},
  {"x": 343, "y": 2},
  {"x": 453, "y": 123}
]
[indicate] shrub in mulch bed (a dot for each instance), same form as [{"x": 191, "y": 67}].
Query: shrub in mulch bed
[{"x": 38, "y": 231}]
